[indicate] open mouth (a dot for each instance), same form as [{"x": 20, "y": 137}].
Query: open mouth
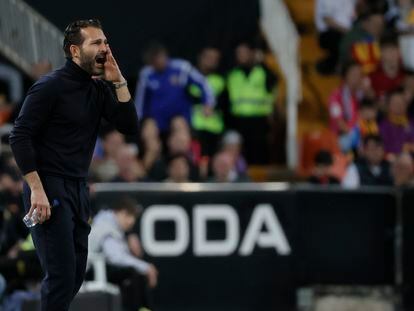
[{"x": 100, "y": 59}]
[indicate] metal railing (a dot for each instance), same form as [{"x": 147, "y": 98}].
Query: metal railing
[
  {"x": 27, "y": 38},
  {"x": 283, "y": 39}
]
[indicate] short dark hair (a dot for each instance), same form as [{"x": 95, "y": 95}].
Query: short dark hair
[
  {"x": 248, "y": 43},
  {"x": 346, "y": 67},
  {"x": 72, "y": 34},
  {"x": 153, "y": 49},
  {"x": 178, "y": 156},
  {"x": 408, "y": 72},
  {"x": 324, "y": 157},
  {"x": 367, "y": 103},
  {"x": 396, "y": 91},
  {"x": 129, "y": 205},
  {"x": 376, "y": 139},
  {"x": 389, "y": 40},
  {"x": 379, "y": 8}
]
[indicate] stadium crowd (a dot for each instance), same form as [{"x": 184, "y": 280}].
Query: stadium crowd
[
  {"x": 371, "y": 111},
  {"x": 196, "y": 125}
]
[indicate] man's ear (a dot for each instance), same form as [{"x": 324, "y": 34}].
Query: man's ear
[{"x": 75, "y": 51}]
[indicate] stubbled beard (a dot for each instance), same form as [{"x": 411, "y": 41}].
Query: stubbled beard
[{"x": 87, "y": 63}]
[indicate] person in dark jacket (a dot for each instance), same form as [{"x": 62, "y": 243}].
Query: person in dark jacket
[
  {"x": 53, "y": 141},
  {"x": 321, "y": 173},
  {"x": 371, "y": 169}
]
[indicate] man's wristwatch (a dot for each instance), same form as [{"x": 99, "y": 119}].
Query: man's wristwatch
[{"x": 118, "y": 85}]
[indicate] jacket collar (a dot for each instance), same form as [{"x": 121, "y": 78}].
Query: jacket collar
[{"x": 77, "y": 72}]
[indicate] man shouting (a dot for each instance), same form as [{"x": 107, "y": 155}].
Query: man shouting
[{"x": 53, "y": 140}]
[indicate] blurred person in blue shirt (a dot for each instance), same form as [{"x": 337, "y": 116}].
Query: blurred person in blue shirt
[
  {"x": 2, "y": 286},
  {"x": 163, "y": 88}
]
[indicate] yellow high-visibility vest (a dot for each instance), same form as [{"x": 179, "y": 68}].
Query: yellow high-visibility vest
[
  {"x": 213, "y": 123},
  {"x": 248, "y": 94}
]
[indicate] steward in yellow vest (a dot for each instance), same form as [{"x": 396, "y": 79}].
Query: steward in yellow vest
[
  {"x": 249, "y": 96},
  {"x": 250, "y": 88},
  {"x": 212, "y": 123},
  {"x": 209, "y": 127}
]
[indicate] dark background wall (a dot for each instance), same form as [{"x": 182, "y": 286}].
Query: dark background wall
[{"x": 185, "y": 26}]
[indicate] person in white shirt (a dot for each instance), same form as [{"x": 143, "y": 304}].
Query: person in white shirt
[
  {"x": 108, "y": 237},
  {"x": 333, "y": 19}
]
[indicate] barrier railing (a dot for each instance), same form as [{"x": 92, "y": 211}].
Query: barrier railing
[
  {"x": 27, "y": 38},
  {"x": 250, "y": 246},
  {"x": 283, "y": 39}
]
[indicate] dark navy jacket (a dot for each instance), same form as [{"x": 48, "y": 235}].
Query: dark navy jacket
[{"x": 56, "y": 130}]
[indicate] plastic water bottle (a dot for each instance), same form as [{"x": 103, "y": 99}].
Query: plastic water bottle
[
  {"x": 34, "y": 220},
  {"x": 31, "y": 221}
]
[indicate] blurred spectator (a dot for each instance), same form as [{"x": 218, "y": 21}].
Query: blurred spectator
[
  {"x": 224, "y": 169},
  {"x": 406, "y": 15},
  {"x": 130, "y": 168},
  {"x": 401, "y": 15},
  {"x": 179, "y": 125},
  {"x": 151, "y": 150},
  {"x": 343, "y": 105},
  {"x": 6, "y": 109},
  {"x": 322, "y": 172},
  {"x": 232, "y": 143},
  {"x": 2, "y": 287},
  {"x": 363, "y": 6},
  {"x": 39, "y": 69},
  {"x": 403, "y": 170},
  {"x": 209, "y": 127},
  {"x": 14, "y": 249},
  {"x": 104, "y": 167},
  {"x": 334, "y": 19},
  {"x": 134, "y": 244},
  {"x": 13, "y": 231},
  {"x": 179, "y": 143},
  {"x": 367, "y": 120},
  {"x": 178, "y": 169},
  {"x": 162, "y": 90},
  {"x": 11, "y": 183},
  {"x": 250, "y": 86},
  {"x": 21, "y": 269},
  {"x": 361, "y": 43},
  {"x": 389, "y": 74},
  {"x": 408, "y": 86},
  {"x": 14, "y": 81},
  {"x": 371, "y": 168},
  {"x": 149, "y": 130},
  {"x": 397, "y": 130},
  {"x": 123, "y": 268}
]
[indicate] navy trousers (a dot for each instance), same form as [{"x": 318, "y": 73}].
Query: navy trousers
[{"x": 62, "y": 241}]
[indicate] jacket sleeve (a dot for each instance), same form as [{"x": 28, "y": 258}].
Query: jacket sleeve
[
  {"x": 116, "y": 254},
  {"x": 142, "y": 94},
  {"x": 33, "y": 115},
  {"x": 122, "y": 115},
  {"x": 195, "y": 77}
]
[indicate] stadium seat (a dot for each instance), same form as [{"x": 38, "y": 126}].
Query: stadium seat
[
  {"x": 312, "y": 143},
  {"x": 324, "y": 85},
  {"x": 309, "y": 49},
  {"x": 302, "y": 11}
]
